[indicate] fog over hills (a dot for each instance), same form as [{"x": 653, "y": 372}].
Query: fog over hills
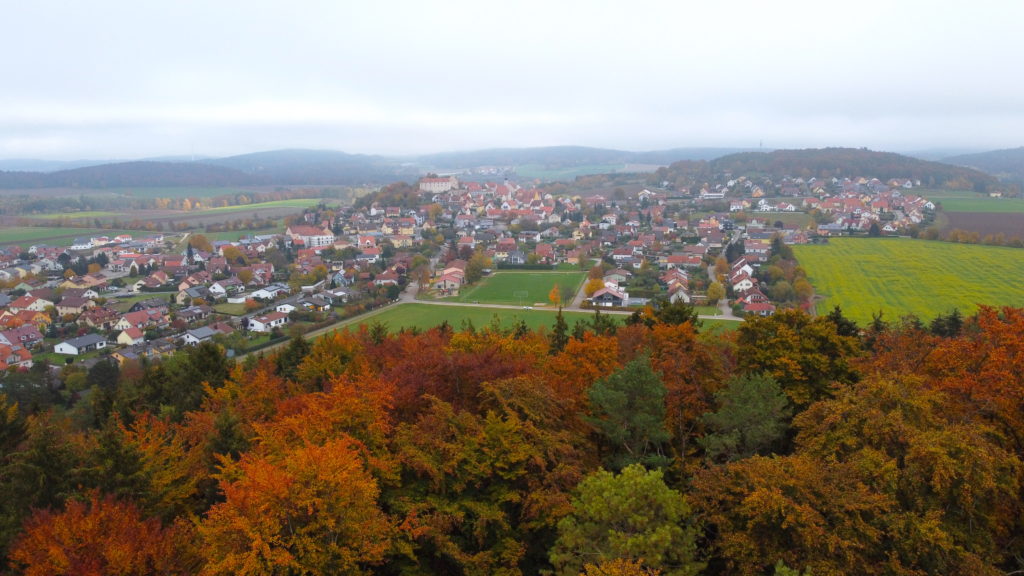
[
  {"x": 1004, "y": 164},
  {"x": 329, "y": 167}
]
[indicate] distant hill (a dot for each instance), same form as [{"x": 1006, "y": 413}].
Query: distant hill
[
  {"x": 320, "y": 167},
  {"x": 853, "y": 162},
  {"x": 129, "y": 174},
  {"x": 939, "y": 154},
  {"x": 564, "y": 157},
  {"x": 31, "y": 165},
  {"x": 326, "y": 167},
  {"x": 1003, "y": 164}
]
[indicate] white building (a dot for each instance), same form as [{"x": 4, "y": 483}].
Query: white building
[{"x": 267, "y": 322}]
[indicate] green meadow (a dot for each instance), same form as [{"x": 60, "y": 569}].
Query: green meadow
[
  {"x": 181, "y": 192},
  {"x": 542, "y": 172},
  {"x": 426, "y": 316},
  {"x": 900, "y": 276},
  {"x": 967, "y": 201},
  {"x": 74, "y": 215},
  {"x": 57, "y": 236},
  {"x": 522, "y": 288},
  {"x": 294, "y": 203}
]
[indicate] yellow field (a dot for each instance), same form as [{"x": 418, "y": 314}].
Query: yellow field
[{"x": 901, "y": 276}]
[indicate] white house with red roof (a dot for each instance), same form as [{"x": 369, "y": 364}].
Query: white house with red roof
[
  {"x": 310, "y": 236},
  {"x": 267, "y": 322}
]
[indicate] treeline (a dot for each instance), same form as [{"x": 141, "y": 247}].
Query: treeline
[
  {"x": 972, "y": 237},
  {"x": 400, "y": 194},
  {"x": 795, "y": 445}
]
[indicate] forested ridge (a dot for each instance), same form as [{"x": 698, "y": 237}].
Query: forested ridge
[
  {"x": 795, "y": 445},
  {"x": 828, "y": 163}
]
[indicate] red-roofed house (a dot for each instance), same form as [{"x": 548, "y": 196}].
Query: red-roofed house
[
  {"x": 130, "y": 336},
  {"x": 310, "y": 236},
  {"x": 267, "y": 322}
]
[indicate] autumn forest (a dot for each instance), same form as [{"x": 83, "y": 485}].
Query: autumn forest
[{"x": 794, "y": 445}]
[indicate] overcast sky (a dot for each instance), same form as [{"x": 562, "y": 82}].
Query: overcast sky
[{"x": 137, "y": 78}]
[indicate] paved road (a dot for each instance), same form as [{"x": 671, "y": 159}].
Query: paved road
[{"x": 726, "y": 311}]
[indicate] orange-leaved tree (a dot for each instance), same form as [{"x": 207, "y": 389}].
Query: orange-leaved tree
[
  {"x": 310, "y": 510},
  {"x": 102, "y": 536}
]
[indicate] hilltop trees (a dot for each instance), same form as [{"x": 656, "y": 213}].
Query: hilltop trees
[
  {"x": 795, "y": 444},
  {"x": 628, "y": 410},
  {"x": 630, "y": 516}
]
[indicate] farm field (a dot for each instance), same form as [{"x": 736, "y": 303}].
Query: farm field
[
  {"x": 900, "y": 276},
  {"x": 522, "y": 288},
  {"x": 967, "y": 201},
  {"x": 55, "y": 235},
  {"x": 531, "y": 171},
  {"x": 1009, "y": 224},
  {"x": 183, "y": 191},
  {"x": 294, "y": 203},
  {"x": 74, "y": 215}
]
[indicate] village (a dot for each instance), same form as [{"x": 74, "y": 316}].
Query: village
[{"x": 142, "y": 298}]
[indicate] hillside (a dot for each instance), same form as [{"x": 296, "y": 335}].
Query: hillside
[
  {"x": 852, "y": 162},
  {"x": 566, "y": 156},
  {"x": 126, "y": 174},
  {"x": 326, "y": 167},
  {"x": 315, "y": 167},
  {"x": 1007, "y": 165}
]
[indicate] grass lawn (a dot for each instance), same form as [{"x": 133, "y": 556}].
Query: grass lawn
[
  {"x": 798, "y": 219},
  {"x": 566, "y": 267},
  {"x": 232, "y": 309},
  {"x": 901, "y": 276},
  {"x": 123, "y": 304},
  {"x": 719, "y": 326},
  {"x": 522, "y": 288},
  {"x": 232, "y": 235},
  {"x": 56, "y": 359},
  {"x": 425, "y": 316}
]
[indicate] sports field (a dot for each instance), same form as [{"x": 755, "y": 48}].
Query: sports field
[
  {"x": 522, "y": 288},
  {"x": 900, "y": 276}
]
